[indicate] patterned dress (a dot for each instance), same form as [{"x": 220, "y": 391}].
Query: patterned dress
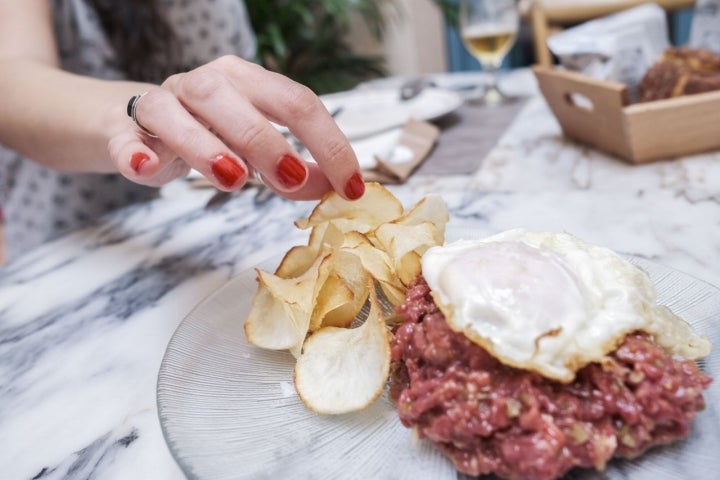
[{"x": 39, "y": 204}]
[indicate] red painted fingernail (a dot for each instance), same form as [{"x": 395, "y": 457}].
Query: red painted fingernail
[
  {"x": 290, "y": 171},
  {"x": 138, "y": 159},
  {"x": 355, "y": 186},
  {"x": 227, "y": 170}
]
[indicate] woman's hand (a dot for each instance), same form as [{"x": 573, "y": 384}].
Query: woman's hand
[{"x": 216, "y": 119}]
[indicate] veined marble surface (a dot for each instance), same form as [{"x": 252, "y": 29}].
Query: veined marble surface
[{"x": 84, "y": 320}]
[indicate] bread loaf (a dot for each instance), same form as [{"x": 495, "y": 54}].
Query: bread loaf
[{"x": 681, "y": 71}]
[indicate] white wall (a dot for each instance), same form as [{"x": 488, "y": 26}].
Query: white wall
[{"x": 414, "y": 40}]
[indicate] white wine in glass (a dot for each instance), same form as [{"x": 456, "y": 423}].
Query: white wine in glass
[{"x": 489, "y": 29}]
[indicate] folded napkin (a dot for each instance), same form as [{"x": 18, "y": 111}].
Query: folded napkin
[{"x": 395, "y": 162}]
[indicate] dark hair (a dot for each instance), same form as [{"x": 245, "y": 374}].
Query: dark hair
[{"x": 144, "y": 43}]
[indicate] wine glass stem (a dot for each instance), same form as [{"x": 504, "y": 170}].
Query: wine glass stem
[{"x": 492, "y": 68}]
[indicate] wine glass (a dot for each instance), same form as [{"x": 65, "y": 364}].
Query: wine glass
[{"x": 489, "y": 29}]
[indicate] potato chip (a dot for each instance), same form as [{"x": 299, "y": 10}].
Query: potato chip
[
  {"x": 376, "y": 206},
  {"x": 378, "y": 264},
  {"x": 348, "y": 266},
  {"x": 341, "y": 290},
  {"x": 324, "y": 288},
  {"x": 397, "y": 239},
  {"x": 296, "y": 261},
  {"x": 405, "y": 244},
  {"x": 327, "y": 234},
  {"x": 335, "y": 305},
  {"x": 280, "y": 314},
  {"x": 430, "y": 209},
  {"x": 343, "y": 370},
  {"x": 299, "y": 258},
  {"x": 409, "y": 267},
  {"x": 268, "y": 325},
  {"x": 374, "y": 260}
]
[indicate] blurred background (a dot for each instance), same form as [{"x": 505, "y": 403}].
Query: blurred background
[{"x": 332, "y": 45}]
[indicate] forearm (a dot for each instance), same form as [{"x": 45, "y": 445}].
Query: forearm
[{"x": 59, "y": 119}]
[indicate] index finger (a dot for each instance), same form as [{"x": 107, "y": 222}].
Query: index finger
[{"x": 306, "y": 117}]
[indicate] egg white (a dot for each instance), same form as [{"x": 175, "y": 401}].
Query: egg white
[{"x": 548, "y": 302}]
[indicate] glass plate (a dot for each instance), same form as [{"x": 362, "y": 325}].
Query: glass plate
[
  {"x": 366, "y": 112},
  {"x": 229, "y": 410}
]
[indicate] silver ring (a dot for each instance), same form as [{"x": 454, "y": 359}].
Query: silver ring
[
  {"x": 256, "y": 177},
  {"x": 132, "y": 113}
]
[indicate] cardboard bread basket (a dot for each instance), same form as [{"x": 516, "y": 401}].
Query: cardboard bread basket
[{"x": 599, "y": 113}]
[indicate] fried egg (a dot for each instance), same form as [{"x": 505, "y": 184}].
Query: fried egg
[{"x": 549, "y": 302}]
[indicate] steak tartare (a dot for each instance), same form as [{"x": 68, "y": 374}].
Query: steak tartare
[{"x": 490, "y": 418}]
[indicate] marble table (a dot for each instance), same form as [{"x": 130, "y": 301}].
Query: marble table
[{"x": 85, "y": 320}]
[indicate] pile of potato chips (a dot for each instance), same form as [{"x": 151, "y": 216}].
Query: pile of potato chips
[{"x": 310, "y": 304}]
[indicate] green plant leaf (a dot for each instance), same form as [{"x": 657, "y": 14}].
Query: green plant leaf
[{"x": 307, "y": 39}]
